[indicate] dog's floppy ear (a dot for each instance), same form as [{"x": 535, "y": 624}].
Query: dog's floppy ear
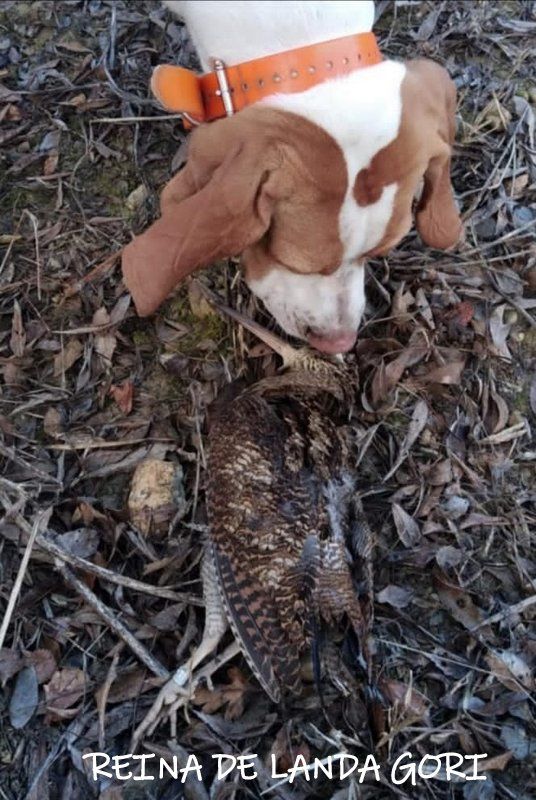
[
  {"x": 218, "y": 205},
  {"x": 437, "y": 217}
]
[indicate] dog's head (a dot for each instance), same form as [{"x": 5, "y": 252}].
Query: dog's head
[{"x": 278, "y": 188}]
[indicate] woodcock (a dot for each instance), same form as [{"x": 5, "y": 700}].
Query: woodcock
[{"x": 281, "y": 507}]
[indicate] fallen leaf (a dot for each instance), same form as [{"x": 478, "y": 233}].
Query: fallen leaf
[
  {"x": 448, "y": 556},
  {"x": 18, "y": 334},
  {"x": 424, "y": 308},
  {"x": 166, "y": 620},
  {"x": 86, "y": 513},
  {"x": 72, "y": 46},
  {"x": 449, "y": 374},
  {"x": 387, "y": 376},
  {"x": 81, "y": 542},
  {"x": 462, "y": 313},
  {"x": 51, "y": 164},
  {"x": 440, "y": 473},
  {"x": 498, "y": 762},
  {"x": 105, "y": 342},
  {"x": 476, "y": 518},
  {"x": 232, "y": 695},
  {"x": 500, "y": 330},
  {"x": 119, "y": 311},
  {"x": 43, "y": 662},
  {"x": 493, "y": 116},
  {"x": 52, "y": 422},
  {"x": 123, "y": 395},
  {"x": 428, "y": 25},
  {"x": 407, "y": 528},
  {"x": 67, "y": 356},
  {"x": 128, "y": 685},
  {"x": 24, "y": 699},
  {"x": 402, "y": 301},
  {"x": 510, "y": 669},
  {"x": 395, "y": 596},
  {"x": 499, "y": 419},
  {"x": 77, "y": 100},
  {"x": 461, "y": 606},
  {"x": 66, "y": 686},
  {"x": 455, "y": 506},
  {"x": 416, "y": 425},
  {"x": 516, "y": 739},
  {"x": 406, "y": 698},
  {"x": 12, "y": 113},
  {"x": 10, "y": 663},
  {"x": 516, "y": 431}
]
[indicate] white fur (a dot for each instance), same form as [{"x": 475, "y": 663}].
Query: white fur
[
  {"x": 241, "y": 30},
  {"x": 324, "y": 303},
  {"x": 361, "y": 111}
]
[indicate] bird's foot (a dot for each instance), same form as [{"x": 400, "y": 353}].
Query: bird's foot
[
  {"x": 177, "y": 692},
  {"x": 174, "y": 693}
]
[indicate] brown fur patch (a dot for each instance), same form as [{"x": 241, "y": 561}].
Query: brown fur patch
[{"x": 422, "y": 149}]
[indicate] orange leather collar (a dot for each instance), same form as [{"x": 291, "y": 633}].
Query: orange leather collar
[{"x": 203, "y": 98}]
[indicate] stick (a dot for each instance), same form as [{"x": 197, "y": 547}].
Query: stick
[
  {"x": 42, "y": 520},
  {"x": 102, "y": 572},
  {"x": 11, "y": 455},
  {"x": 113, "y": 622},
  {"x": 114, "y": 577},
  {"x": 517, "y": 608}
]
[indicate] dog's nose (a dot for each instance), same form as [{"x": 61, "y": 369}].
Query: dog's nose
[{"x": 332, "y": 343}]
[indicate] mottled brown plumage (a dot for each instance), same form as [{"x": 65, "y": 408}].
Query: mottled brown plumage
[{"x": 281, "y": 504}]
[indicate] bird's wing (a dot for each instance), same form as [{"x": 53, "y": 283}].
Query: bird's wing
[{"x": 253, "y": 619}]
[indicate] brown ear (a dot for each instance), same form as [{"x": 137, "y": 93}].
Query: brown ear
[
  {"x": 212, "y": 209},
  {"x": 437, "y": 217}
]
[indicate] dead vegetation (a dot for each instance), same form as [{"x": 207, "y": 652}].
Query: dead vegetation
[{"x": 98, "y": 606}]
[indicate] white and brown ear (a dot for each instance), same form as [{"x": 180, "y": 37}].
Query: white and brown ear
[
  {"x": 219, "y": 204},
  {"x": 434, "y": 99}
]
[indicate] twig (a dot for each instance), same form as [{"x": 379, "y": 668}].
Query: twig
[
  {"x": 523, "y": 311},
  {"x": 157, "y": 118},
  {"x": 481, "y": 247},
  {"x": 94, "y": 273},
  {"x": 104, "y": 691},
  {"x": 102, "y": 444},
  {"x": 112, "y": 621},
  {"x": 517, "y": 608},
  {"x": 81, "y": 588},
  {"x": 114, "y": 577},
  {"x": 33, "y": 220},
  {"x": 11, "y": 455},
  {"x": 102, "y": 572},
  {"x": 41, "y": 521},
  {"x": 12, "y": 241}
]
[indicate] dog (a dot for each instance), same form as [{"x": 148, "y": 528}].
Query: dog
[{"x": 304, "y": 183}]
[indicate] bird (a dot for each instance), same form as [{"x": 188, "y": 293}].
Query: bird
[{"x": 282, "y": 507}]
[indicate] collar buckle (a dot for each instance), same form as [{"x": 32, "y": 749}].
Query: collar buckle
[{"x": 223, "y": 91}]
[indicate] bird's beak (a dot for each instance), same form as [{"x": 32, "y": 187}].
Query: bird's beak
[{"x": 288, "y": 353}]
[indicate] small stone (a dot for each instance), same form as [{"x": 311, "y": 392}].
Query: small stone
[
  {"x": 137, "y": 197},
  {"x": 156, "y": 496}
]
